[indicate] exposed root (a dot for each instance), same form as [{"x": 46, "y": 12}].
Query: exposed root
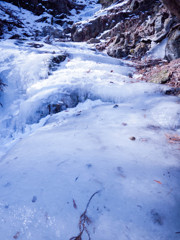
[{"x": 83, "y": 221}]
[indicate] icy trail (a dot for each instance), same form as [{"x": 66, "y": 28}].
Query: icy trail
[{"x": 110, "y": 137}]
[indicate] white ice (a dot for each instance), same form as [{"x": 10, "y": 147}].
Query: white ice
[{"x": 111, "y": 140}]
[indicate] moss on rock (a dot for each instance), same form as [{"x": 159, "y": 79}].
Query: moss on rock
[{"x": 161, "y": 77}]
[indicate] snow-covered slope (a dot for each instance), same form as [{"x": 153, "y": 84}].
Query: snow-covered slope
[{"x": 87, "y": 152}]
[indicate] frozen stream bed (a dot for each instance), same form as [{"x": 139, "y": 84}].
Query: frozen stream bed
[{"x": 85, "y": 150}]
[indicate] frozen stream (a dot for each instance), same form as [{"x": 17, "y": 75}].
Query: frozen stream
[{"x": 73, "y": 124}]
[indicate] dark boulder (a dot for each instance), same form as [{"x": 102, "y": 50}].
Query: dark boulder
[
  {"x": 173, "y": 45},
  {"x": 173, "y": 6},
  {"x": 56, "y": 61}
]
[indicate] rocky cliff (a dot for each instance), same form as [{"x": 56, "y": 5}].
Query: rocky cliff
[{"x": 130, "y": 29}]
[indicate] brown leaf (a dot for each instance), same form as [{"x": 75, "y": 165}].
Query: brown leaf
[
  {"x": 173, "y": 138},
  {"x": 158, "y": 181}
]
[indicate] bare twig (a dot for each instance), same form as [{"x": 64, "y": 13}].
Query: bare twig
[{"x": 83, "y": 220}]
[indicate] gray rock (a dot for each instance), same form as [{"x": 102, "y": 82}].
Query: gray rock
[
  {"x": 158, "y": 24},
  {"x": 161, "y": 77},
  {"x": 173, "y": 45}
]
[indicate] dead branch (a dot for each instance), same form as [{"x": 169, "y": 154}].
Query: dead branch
[{"x": 84, "y": 220}]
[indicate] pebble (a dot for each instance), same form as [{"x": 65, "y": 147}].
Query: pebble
[{"x": 132, "y": 138}]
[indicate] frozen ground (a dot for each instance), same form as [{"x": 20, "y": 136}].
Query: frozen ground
[
  {"x": 112, "y": 140},
  {"x": 103, "y": 167}
]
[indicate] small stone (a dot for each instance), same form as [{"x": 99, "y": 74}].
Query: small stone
[
  {"x": 130, "y": 75},
  {"x": 16, "y": 236},
  {"x": 132, "y": 138},
  {"x": 116, "y": 106}
]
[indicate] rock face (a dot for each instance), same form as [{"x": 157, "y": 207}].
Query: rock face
[
  {"x": 106, "y": 3},
  {"x": 173, "y": 6},
  {"x": 52, "y": 6},
  {"x": 173, "y": 44},
  {"x": 129, "y": 30},
  {"x": 91, "y": 29}
]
